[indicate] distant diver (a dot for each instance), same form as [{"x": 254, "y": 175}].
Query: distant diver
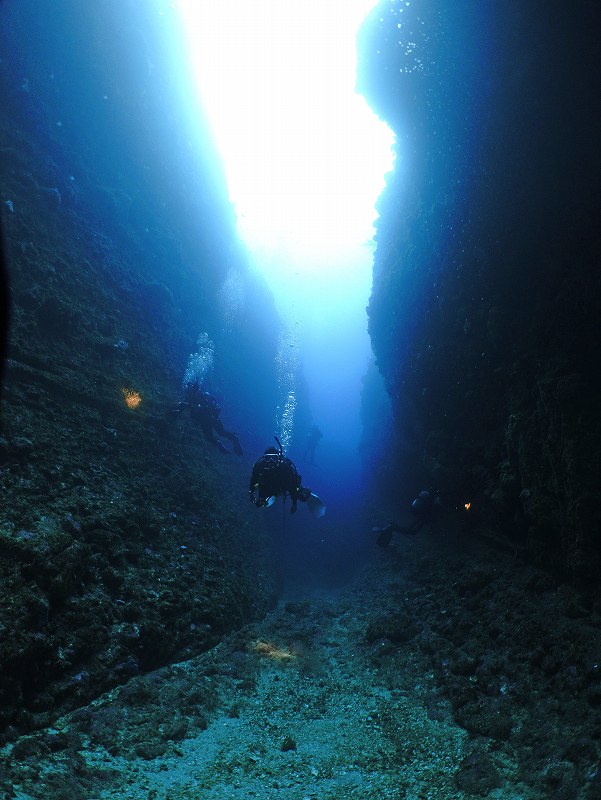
[
  {"x": 205, "y": 410},
  {"x": 313, "y": 438},
  {"x": 422, "y": 510},
  {"x": 274, "y": 475}
]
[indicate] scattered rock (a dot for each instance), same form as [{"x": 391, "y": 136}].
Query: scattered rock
[
  {"x": 398, "y": 628},
  {"x": 288, "y": 744},
  {"x": 477, "y": 774}
]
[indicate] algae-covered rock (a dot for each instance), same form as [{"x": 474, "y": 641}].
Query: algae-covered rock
[
  {"x": 112, "y": 513},
  {"x": 484, "y": 323},
  {"x": 397, "y": 628},
  {"x": 477, "y": 774}
]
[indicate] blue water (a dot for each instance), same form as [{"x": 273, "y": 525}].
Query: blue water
[{"x": 99, "y": 91}]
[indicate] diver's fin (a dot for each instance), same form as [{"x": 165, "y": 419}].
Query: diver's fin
[
  {"x": 385, "y": 536},
  {"x": 316, "y": 505}
]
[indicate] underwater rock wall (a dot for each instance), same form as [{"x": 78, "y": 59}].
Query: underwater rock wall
[
  {"x": 124, "y": 537},
  {"x": 484, "y": 311}
]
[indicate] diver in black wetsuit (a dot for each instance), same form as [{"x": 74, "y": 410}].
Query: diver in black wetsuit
[
  {"x": 205, "y": 411},
  {"x": 274, "y": 475},
  {"x": 422, "y": 510}
]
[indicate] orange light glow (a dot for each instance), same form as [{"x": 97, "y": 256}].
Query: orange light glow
[
  {"x": 467, "y": 506},
  {"x": 271, "y": 650},
  {"x": 130, "y": 398}
]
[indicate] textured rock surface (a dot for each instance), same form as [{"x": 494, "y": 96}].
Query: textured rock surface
[
  {"x": 495, "y": 694},
  {"x": 484, "y": 312},
  {"x": 123, "y": 541}
]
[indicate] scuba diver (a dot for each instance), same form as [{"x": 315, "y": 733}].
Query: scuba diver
[
  {"x": 313, "y": 438},
  {"x": 422, "y": 510},
  {"x": 205, "y": 410},
  {"x": 274, "y": 475}
]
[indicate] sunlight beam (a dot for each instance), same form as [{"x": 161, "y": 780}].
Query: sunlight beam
[{"x": 304, "y": 155}]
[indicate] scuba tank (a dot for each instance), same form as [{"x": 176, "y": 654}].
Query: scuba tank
[{"x": 422, "y": 502}]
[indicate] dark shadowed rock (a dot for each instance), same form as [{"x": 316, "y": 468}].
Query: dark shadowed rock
[{"x": 477, "y": 774}]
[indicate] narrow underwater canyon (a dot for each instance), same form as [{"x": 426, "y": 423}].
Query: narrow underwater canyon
[{"x": 127, "y": 544}]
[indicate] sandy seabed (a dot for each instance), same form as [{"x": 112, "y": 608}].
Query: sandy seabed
[{"x": 315, "y": 702}]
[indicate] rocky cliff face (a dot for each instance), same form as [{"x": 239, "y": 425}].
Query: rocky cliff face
[
  {"x": 124, "y": 537},
  {"x": 484, "y": 312}
]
